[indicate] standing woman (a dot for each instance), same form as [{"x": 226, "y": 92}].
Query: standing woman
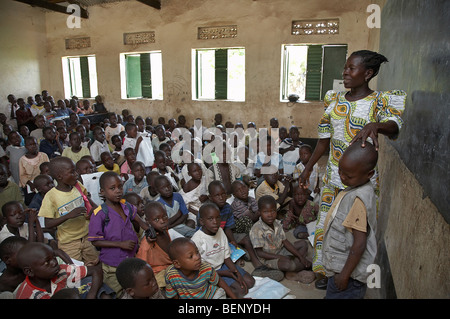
[{"x": 360, "y": 113}]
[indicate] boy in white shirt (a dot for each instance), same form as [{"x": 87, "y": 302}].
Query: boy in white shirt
[{"x": 212, "y": 244}]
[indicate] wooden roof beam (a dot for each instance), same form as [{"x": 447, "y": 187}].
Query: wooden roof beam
[
  {"x": 53, "y": 7},
  {"x": 152, "y": 3}
]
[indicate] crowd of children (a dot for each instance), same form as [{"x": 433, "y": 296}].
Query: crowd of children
[{"x": 139, "y": 210}]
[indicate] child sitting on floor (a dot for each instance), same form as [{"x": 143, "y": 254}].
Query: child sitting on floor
[
  {"x": 195, "y": 191},
  {"x": 14, "y": 215},
  {"x": 301, "y": 212},
  {"x": 51, "y": 145},
  {"x": 138, "y": 280},
  {"x": 271, "y": 245},
  {"x": 99, "y": 145},
  {"x": 212, "y": 244},
  {"x": 163, "y": 169},
  {"x": 272, "y": 186},
  {"x": 175, "y": 206},
  {"x": 45, "y": 277},
  {"x": 29, "y": 167},
  {"x": 155, "y": 251},
  {"x": 190, "y": 278},
  {"x": 244, "y": 207},
  {"x": 108, "y": 163},
  {"x": 150, "y": 193},
  {"x": 137, "y": 182},
  {"x": 76, "y": 151},
  {"x": 13, "y": 275},
  {"x": 130, "y": 158}
]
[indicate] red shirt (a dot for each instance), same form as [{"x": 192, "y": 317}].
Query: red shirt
[{"x": 68, "y": 276}]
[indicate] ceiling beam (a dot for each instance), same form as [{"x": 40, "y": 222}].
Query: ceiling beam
[
  {"x": 152, "y": 3},
  {"x": 53, "y": 7}
]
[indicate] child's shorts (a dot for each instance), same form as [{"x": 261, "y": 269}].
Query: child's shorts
[
  {"x": 273, "y": 263},
  {"x": 230, "y": 280},
  {"x": 85, "y": 286}
]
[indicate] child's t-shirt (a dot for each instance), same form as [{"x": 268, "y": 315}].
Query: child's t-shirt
[
  {"x": 37, "y": 133},
  {"x": 116, "y": 229},
  {"x": 147, "y": 196},
  {"x": 111, "y": 131},
  {"x": 27, "y": 290},
  {"x": 204, "y": 286},
  {"x": 29, "y": 167},
  {"x": 5, "y": 233},
  {"x": 56, "y": 204},
  {"x": 177, "y": 204},
  {"x": 265, "y": 189},
  {"x": 154, "y": 255},
  {"x": 97, "y": 149},
  {"x": 263, "y": 236},
  {"x": 49, "y": 148},
  {"x": 213, "y": 249},
  {"x": 102, "y": 168},
  {"x": 75, "y": 157},
  {"x": 131, "y": 186}
]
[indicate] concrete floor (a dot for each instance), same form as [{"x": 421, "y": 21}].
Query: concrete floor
[{"x": 298, "y": 290}]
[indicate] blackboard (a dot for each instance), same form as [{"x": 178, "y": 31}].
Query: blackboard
[{"x": 415, "y": 38}]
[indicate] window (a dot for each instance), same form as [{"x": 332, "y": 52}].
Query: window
[
  {"x": 80, "y": 76},
  {"x": 141, "y": 75},
  {"x": 219, "y": 74},
  {"x": 310, "y": 70}
]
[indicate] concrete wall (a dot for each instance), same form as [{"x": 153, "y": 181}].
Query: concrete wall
[
  {"x": 263, "y": 26},
  {"x": 23, "y": 47},
  {"x": 413, "y": 233}
]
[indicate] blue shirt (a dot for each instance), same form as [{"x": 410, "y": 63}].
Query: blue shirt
[
  {"x": 226, "y": 218},
  {"x": 131, "y": 186},
  {"x": 177, "y": 204}
]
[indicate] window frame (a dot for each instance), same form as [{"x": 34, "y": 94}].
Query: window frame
[
  {"x": 314, "y": 70},
  {"x": 147, "y": 84},
  {"x": 87, "y": 73},
  {"x": 221, "y": 77}
]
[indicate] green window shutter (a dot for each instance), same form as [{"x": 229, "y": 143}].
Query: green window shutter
[
  {"x": 221, "y": 74},
  {"x": 334, "y": 58},
  {"x": 146, "y": 79},
  {"x": 84, "y": 67},
  {"x": 133, "y": 76},
  {"x": 313, "y": 72}
]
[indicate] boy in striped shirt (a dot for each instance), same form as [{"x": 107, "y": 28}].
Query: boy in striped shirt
[{"x": 190, "y": 278}]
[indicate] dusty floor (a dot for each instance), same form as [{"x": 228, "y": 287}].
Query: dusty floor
[
  {"x": 299, "y": 290},
  {"x": 305, "y": 291}
]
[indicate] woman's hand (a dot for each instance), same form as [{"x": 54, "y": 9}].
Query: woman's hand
[
  {"x": 369, "y": 130},
  {"x": 304, "y": 178},
  {"x": 389, "y": 128}
]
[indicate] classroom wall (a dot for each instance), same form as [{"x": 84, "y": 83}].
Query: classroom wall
[
  {"x": 414, "y": 219},
  {"x": 263, "y": 26},
  {"x": 23, "y": 47}
]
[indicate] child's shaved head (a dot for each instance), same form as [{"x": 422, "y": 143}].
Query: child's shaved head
[{"x": 365, "y": 157}]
